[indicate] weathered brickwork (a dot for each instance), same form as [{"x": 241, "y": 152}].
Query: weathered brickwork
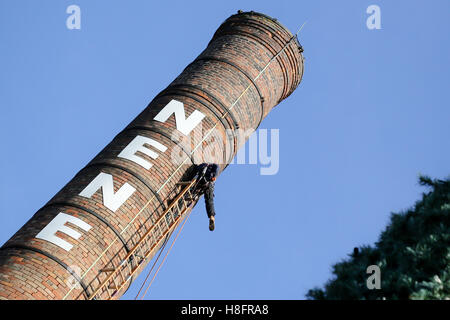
[{"x": 32, "y": 268}]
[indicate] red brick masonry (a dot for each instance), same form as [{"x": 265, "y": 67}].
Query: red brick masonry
[{"x": 32, "y": 268}]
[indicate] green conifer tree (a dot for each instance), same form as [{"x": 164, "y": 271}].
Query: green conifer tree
[{"x": 413, "y": 254}]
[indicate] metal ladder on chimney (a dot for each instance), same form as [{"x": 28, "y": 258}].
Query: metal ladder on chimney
[{"x": 118, "y": 275}]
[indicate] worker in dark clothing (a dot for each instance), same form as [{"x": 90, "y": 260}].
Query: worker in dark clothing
[{"x": 206, "y": 174}]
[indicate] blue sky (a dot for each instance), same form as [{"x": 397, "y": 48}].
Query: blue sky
[{"x": 371, "y": 113}]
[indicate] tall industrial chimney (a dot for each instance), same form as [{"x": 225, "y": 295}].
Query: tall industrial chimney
[{"x": 97, "y": 234}]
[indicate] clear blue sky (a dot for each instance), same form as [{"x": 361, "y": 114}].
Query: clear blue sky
[{"x": 371, "y": 114}]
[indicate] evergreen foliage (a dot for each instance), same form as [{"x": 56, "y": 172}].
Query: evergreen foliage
[{"x": 413, "y": 254}]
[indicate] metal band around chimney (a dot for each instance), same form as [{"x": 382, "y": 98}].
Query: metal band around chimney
[
  {"x": 261, "y": 98},
  {"x": 156, "y": 130},
  {"x": 89, "y": 211},
  {"x": 112, "y": 165},
  {"x": 51, "y": 257},
  {"x": 186, "y": 93}
]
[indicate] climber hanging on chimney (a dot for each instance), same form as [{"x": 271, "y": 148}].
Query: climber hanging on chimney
[{"x": 206, "y": 174}]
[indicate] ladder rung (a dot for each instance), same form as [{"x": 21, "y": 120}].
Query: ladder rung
[
  {"x": 151, "y": 240},
  {"x": 123, "y": 263},
  {"x": 183, "y": 183}
]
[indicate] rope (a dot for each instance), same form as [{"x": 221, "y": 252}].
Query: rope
[
  {"x": 179, "y": 167},
  {"x": 167, "y": 253},
  {"x": 153, "y": 266}
]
